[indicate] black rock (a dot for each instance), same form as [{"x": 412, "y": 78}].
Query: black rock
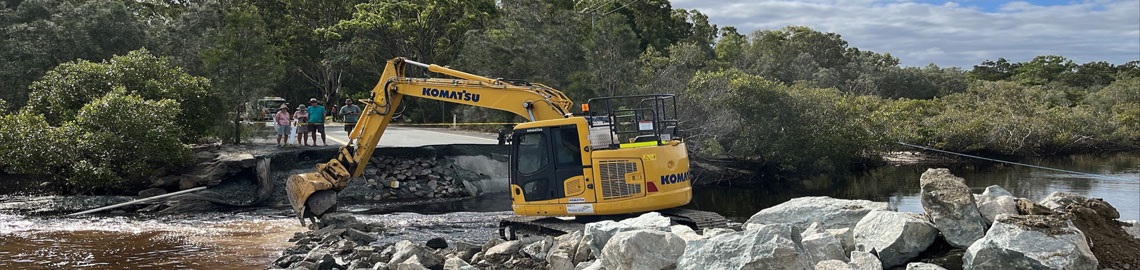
[
  {"x": 285, "y": 261},
  {"x": 437, "y": 243},
  {"x": 328, "y": 263}
]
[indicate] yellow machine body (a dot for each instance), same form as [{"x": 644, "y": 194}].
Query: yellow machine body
[
  {"x": 619, "y": 178},
  {"x": 624, "y": 180}
]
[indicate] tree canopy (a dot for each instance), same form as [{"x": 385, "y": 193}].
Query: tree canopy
[{"x": 795, "y": 98}]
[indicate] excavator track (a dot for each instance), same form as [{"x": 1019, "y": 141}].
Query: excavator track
[
  {"x": 698, "y": 220},
  {"x": 523, "y": 226},
  {"x": 529, "y": 226}
]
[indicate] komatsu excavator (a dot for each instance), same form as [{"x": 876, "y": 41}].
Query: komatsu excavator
[{"x": 621, "y": 158}]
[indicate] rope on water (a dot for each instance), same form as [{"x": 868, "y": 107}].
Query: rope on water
[{"x": 1020, "y": 164}]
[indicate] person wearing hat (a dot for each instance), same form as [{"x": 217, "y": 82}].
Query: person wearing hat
[
  {"x": 316, "y": 121},
  {"x": 301, "y": 116},
  {"x": 351, "y": 114},
  {"x": 281, "y": 122}
]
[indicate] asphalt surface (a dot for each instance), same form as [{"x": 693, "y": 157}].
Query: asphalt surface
[{"x": 396, "y": 136}]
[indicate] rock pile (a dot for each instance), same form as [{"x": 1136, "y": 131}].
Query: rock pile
[
  {"x": 388, "y": 178},
  {"x": 803, "y": 233}
]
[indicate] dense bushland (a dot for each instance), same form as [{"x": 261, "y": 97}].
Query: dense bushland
[{"x": 104, "y": 93}]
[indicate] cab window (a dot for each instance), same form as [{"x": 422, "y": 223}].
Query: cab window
[
  {"x": 532, "y": 153},
  {"x": 568, "y": 151}
]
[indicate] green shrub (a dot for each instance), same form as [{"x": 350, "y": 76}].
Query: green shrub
[
  {"x": 68, "y": 87},
  {"x": 116, "y": 141},
  {"x": 134, "y": 138},
  {"x": 29, "y": 146},
  {"x": 797, "y": 128}
]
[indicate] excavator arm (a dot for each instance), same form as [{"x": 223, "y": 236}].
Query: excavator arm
[{"x": 314, "y": 194}]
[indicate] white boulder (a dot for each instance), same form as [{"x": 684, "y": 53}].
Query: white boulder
[
  {"x": 865, "y": 261},
  {"x": 455, "y": 263},
  {"x": 948, "y": 201},
  {"x": 923, "y": 266},
  {"x": 896, "y": 236},
  {"x": 1031, "y": 242},
  {"x": 597, "y": 233},
  {"x": 821, "y": 245},
  {"x": 570, "y": 250},
  {"x": 832, "y": 265},
  {"x": 995, "y": 201},
  {"x": 503, "y": 251},
  {"x": 539, "y": 249},
  {"x": 405, "y": 251},
  {"x": 686, "y": 233},
  {"x": 652, "y": 220},
  {"x": 763, "y": 247},
  {"x": 831, "y": 213},
  {"x": 642, "y": 250},
  {"x": 1057, "y": 201},
  {"x": 1132, "y": 227}
]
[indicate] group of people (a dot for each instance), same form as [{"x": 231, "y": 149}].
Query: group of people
[{"x": 311, "y": 120}]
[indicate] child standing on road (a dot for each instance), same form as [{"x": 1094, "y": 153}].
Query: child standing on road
[{"x": 301, "y": 117}]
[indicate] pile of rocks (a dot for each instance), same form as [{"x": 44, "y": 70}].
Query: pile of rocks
[
  {"x": 997, "y": 231},
  {"x": 391, "y": 178}
]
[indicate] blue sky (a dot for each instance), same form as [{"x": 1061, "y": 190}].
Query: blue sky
[{"x": 951, "y": 33}]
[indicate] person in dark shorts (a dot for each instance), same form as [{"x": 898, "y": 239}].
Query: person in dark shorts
[
  {"x": 316, "y": 121},
  {"x": 351, "y": 114}
]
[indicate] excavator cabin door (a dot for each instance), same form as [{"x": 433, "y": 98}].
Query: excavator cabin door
[{"x": 543, "y": 159}]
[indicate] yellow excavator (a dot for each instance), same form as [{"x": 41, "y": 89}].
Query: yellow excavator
[{"x": 624, "y": 157}]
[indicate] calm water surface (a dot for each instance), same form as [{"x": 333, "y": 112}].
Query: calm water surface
[{"x": 899, "y": 185}]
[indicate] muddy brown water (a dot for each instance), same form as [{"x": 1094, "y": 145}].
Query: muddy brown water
[
  {"x": 251, "y": 239},
  {"x": 108, "y": 242}
]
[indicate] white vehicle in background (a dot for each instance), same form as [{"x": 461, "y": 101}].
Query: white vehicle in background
[{"x": 263, "y": 109}]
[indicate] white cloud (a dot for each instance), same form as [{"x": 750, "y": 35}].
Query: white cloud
[{"x": 950, "y": 34}]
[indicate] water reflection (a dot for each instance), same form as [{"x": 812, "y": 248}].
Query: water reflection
[{"x": 899, "y": 185}]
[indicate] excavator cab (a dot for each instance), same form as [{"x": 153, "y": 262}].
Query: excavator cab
[{"x": 623, "y": 157}]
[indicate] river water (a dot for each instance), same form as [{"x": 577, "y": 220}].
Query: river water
[
  {"x": 250, "y": 239},
  {"x": 899, "y": 185}
]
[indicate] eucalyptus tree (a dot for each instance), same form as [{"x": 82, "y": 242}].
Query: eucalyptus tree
[{"x": 243, "y": 63}]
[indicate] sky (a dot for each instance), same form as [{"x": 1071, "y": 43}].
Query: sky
[{"x": 950, "y": 33}]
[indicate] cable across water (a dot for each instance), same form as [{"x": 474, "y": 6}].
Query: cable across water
[{"x": 1016, "y": 163}]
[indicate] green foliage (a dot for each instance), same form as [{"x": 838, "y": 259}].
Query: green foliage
[
  {"x": 243, "y": 64},
  {"x": 1120, "y": 103},
  {"x": 1015, "y": 119},
  {"x": 115, "y": 141},
  {"x": 29, "y": 145},
  {"x": 126, "y": 139},
  {"x": 1042, "y": 69},
  {"x": 993, "y": 70},
  {"x": 40, "y": 34},
  {"x": 798, "y": 128},
  {"x": 65, "y": 89}
]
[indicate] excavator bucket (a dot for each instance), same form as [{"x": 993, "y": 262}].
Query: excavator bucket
[{"x": 309, "y": 194}]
